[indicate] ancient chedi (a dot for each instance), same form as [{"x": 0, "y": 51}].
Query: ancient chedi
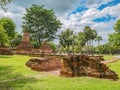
[
  {"x": 46, "y": 48},
  {"x": 83, "y": 65},
  {"x": 25, "y": 44}
]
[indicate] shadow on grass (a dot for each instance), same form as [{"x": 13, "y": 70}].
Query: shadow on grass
[
  {"x": 10, "y": 80},
  {"x": 4, "y": 56}
]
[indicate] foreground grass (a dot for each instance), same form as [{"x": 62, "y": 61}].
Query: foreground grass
[
  {"x": 108, "y": 57},
  {"x": 14, "y": 75}
]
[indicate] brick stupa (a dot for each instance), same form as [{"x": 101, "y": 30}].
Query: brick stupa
[
  {"x": 25, "y": 44},
  {"x": 46, "y": 48}
]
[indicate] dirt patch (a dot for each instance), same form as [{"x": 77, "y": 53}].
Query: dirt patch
[{"x": 110, "y": 61}]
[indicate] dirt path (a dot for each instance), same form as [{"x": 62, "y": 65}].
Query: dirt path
[
  {"x": 54, "y": 72},
  {"x": 110, "y": 61},
  {"x": 46, "y": 73}
]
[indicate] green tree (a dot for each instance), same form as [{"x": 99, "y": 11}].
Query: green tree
[
  {"x": 66, "y": 39},
  {"x": 41, "y": 23},
  {"x": 117, "y": 26},
  {"x": 9, "y": 27},
  {"x": 3, "y": 36},
  {"x": 88, "y": 35},
  {"x": 53, "y": 46},
  {"x": 93, "y": 36},
  {"x": 3, "y": 3},
  {"x": 80, "y": 41},
  {"x": 16, "y": 41},
  {"x": 98, "y": 39},
  {"x": 114, "y": 39}
]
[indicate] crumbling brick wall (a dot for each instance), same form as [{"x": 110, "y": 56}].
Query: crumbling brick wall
[
  {"x": 83, "y": 65},
  {"x": 4, "y": 50}
]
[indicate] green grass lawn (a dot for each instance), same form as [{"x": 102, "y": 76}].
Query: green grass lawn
[
  {"x": 14, "y": 75},
  {"x": 108, "y": 57}
]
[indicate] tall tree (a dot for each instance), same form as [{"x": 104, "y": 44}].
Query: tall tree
[
  {"x": 66, "y": 39},
  {"x": 3, "y": 36},
  {"x": 80, "y": 40},
  {"x": 117, "y": 26},
  {"x": 98, "y": 39},
  {"x": 41, "y": 23},
  {"x": 114, "y": 39},
  {"x": 87, "y": 32},
  {"x": 93, "y": 36},
  {"x": 3, "y": 3},
  {"x": 9, "y": 27}
]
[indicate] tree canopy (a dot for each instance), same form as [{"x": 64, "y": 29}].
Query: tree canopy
[
  {"x": 3, "y": 3},
  {"x": 98, "y": 38},
  {"x": 3, "y": 36},
  {"x": 16, "y": 41},
  {"x": 66, "y": 39},
  {"x": 114, "y": 38},
  {"x": 41, "y": 23},
  {"x": 117, "y": 26},
  {"x": 9, "y": 26}
]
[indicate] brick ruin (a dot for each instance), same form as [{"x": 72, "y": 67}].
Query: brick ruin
[
  {"x": 83, "y": 65},
  {"x": 44, "y": 64},
  {"x": 4, "y": 50},
  {"x": 25, "y": 44},
  {"x": 46, "y": 48}
]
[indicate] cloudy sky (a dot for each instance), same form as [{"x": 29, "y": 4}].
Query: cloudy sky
[{"x": 74, "y": 14}]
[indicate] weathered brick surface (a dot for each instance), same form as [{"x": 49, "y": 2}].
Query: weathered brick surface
[
  {"x": 5, "y": 50},
  {"x": 44, "y": 64},
  {"x": 83, "y": 65},
  {"x": 25, "y": 44}
]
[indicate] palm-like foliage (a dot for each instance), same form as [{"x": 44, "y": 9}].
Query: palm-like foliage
[
  {"x": 80, "y": 41},
  {"x": 66, "y": 39},
  {"x": 89, "y": 35},
  {"x": 93, "y": 36},
  {"x": 98, "y": 38}
]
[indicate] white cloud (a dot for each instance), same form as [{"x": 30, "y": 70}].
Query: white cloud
[
  {"x": 96, "y": 3},
  {"x": 61, "y": 6},
  {"x": 6, "y": 14},
  {"x": 15, "y": 13},
  {"x": 90, "y": 14},
  {"x": 103, "y": 29},
  {"x": 113, "y": 11}
]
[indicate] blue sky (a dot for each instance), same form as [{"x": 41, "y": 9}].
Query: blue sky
[{"x": 74, "y": 14}]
